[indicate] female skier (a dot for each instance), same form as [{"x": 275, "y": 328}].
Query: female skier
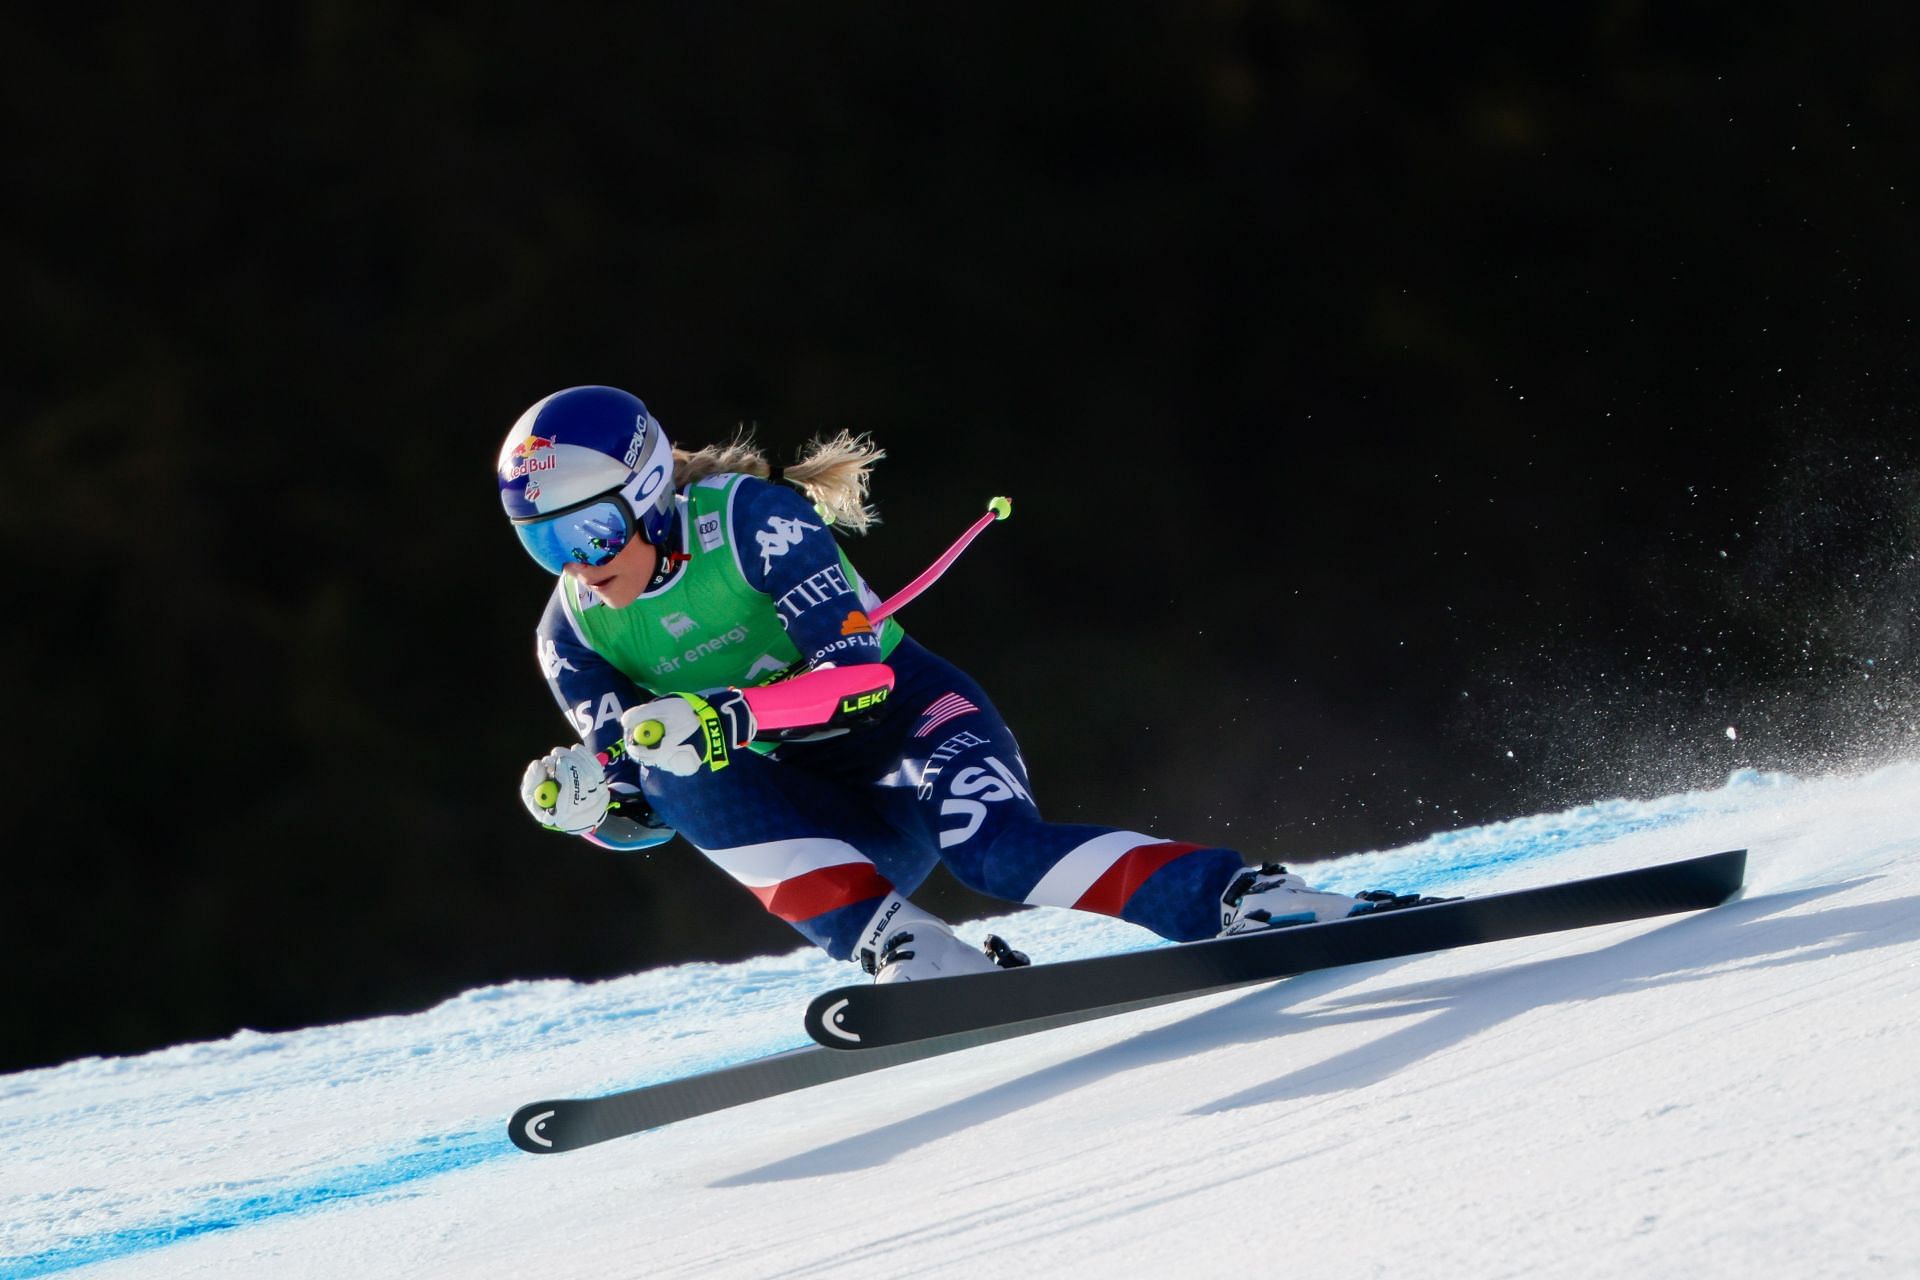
[{"x": 689, "y": 585}]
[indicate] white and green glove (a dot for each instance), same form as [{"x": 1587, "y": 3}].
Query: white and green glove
[
  {"x": 684, "y": 733},
  {"x": 566, "y": 790}
]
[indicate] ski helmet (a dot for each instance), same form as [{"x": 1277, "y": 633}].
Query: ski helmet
[{"x": 581, "y": 472}]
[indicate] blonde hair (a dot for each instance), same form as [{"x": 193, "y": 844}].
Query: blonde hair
[{"x": 832, "y": 471}]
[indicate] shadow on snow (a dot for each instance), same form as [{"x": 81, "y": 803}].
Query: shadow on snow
[{"x": 1748, "y": 933}]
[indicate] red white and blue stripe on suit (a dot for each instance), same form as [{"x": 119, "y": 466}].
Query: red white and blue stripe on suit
[{"x": 804, "y": 877}]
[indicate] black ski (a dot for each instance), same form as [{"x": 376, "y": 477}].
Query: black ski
[
  {"x": 913, "y": 1021},
  {"x": 866, "y": 1018},
  {"x": 565, "y": 1124}
]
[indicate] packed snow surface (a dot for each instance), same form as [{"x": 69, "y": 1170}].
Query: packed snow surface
[{"x": 1729, "y": 1092}]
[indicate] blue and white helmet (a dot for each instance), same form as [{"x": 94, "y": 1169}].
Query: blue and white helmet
[{"x": 582, "y": 471}]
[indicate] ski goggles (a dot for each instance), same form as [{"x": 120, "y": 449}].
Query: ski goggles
[{"x": 590, "y": 533}]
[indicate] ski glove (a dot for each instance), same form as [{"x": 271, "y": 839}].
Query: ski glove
[
  {"x": 685, "y": 732},
  {"x": 566, "y": 790}
]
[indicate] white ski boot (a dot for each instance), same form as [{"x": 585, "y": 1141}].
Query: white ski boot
[
  {"x": 902, "y": 943},
  {"x": 1270, "y": 896}
]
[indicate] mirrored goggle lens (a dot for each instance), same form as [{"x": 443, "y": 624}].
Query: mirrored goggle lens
[{"x": 591, "y": 535}]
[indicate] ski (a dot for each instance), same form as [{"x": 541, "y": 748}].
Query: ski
[
  {"x": 867, "y": 1018},
  {"x": 567, "y": 1124},
  {"x": 901, "y": 1026}
]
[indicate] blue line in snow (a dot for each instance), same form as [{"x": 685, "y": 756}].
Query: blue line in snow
[
  {"x": 430, "y": 1157},
  {"x": 1446, "y": 860}
]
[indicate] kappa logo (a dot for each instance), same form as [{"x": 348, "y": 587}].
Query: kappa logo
[
  {"x": 780, "y": 536},
  {"x": 678, "y": 624},
  {"x": 552, "y": 663}
]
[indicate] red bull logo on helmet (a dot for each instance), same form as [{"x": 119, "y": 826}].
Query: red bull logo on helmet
[{"x": 525, "y": 461}]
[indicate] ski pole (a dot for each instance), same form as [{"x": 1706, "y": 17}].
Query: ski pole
[{"x": 997, "y": 509}]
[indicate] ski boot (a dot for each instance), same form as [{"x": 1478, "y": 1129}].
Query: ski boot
[
  {"x": 902, "y": 943},
  {"x": 1271, "y": 897}
]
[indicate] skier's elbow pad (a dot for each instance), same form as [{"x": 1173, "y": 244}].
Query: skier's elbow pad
[{"x": 617, "y": 831}]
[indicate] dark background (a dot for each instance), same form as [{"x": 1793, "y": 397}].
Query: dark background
[{"x": 1414, "y": 420}]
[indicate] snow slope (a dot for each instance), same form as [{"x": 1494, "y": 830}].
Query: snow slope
[{"x": 1724, "y": 1093}]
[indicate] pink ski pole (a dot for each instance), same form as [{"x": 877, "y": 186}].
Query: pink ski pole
[
  {"x": 811, "y": 698},
  {"x": 997, "y": 509}
]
